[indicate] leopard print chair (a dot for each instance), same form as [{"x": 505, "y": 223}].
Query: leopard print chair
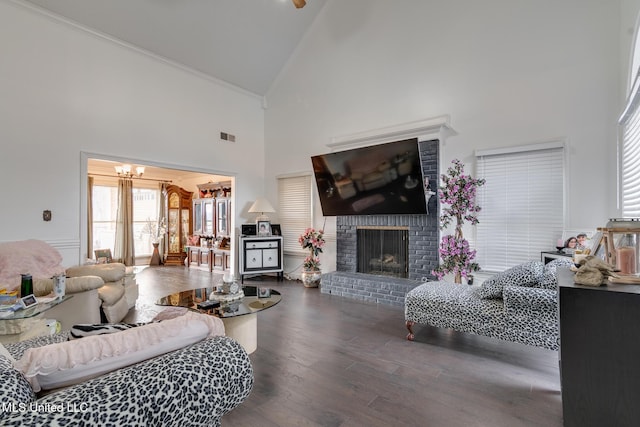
[{"x": 518, "y": 305}]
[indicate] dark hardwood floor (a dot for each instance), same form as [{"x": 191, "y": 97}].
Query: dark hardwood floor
[{"x": 324, "y": 360}]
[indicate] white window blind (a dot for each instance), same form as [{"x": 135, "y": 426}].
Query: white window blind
[
  {"x": 294, "y": 209},
  {"x": 630, "y": 157},
  {"x": 522, "y": 205}
]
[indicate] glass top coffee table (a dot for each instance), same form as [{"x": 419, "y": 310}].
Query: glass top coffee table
[
  {"x": 44, "y": 304},
  {"x": 238, "y": 315},
  {"x": 27, "y": 323}
]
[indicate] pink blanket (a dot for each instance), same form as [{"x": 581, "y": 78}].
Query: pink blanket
[{"x": 34, "y": 257}]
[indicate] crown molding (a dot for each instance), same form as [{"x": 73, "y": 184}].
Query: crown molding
[{"x": 432, "y": 128}]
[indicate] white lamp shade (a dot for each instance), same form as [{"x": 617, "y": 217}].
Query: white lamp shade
[{"x": 261, "y": 205}]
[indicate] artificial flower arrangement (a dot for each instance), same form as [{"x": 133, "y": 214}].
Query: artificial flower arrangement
[
  {"x": 155, "y": 230},
  {"x": 313, "y": 241},
  {"x": 459, "y": 192}
]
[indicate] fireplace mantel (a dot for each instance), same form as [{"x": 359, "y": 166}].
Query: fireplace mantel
[{"x": 433, "y": 128}]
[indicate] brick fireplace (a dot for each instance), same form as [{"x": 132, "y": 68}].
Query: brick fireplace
[{"x": 422, "y": 248}]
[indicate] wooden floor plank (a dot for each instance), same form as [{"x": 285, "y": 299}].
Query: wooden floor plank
[{"x": 324, "y": 360}]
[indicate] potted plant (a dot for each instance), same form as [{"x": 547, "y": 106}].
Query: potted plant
[
  {"x": 459, "y": 192},
  {"x": 311, "y": 240}
]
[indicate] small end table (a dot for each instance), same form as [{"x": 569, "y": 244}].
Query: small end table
[
  {"x": 547, "y": 257},
  {"x": 27, "y": 323}
]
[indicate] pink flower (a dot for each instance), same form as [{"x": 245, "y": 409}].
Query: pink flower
[{"x": 313, "y": 241}]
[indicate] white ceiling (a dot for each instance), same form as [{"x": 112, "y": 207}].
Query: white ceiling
[{"x": 242, "y": 42}]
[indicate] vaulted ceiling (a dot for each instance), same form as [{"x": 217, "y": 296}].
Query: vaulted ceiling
[{"x": 242, "y": 42}]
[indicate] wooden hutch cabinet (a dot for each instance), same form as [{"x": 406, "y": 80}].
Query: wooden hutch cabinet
[
  {"x": 179, "y": 225},
  {"x": 203, "y": 215},
  {"x": 212, "y": 210},
  {"x": 223, "y": 216}
]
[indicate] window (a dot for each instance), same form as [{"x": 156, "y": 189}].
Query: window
[
  {"x": 522, "y": 203},
  {"x": 145, "y": 213},
  {"x": 105, "y": 208},
  {"x": 294, "y": 208},
  {"x": 630, "y": 156},
  {"x": 146, "y": 203}
]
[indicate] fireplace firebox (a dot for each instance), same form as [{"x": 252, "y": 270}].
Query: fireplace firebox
[{"x": 383, "y": 251}]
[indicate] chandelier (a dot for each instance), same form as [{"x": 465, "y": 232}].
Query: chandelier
[{"x": 125, "y": 171}]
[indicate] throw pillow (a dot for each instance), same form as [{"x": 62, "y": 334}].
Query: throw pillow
[
  {"x": 552, "y": 266},
  {"x": 549, "y": 279},
  {"x": 15, "y": 394},
  {"x": 72, "y": 362},
  {"x": 91, "y": 329},
  {"x": 526, "y": 274}
]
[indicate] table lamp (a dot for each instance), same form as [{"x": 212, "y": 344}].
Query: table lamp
[{"x": 261, "y": 205}]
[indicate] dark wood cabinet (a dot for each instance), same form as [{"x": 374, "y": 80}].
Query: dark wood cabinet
[
  {"x": 223, "y": 216},
  {"x": 212, "y": 216},
  {"x": 179, "y": 224},
  {"x": 599, "y": 353}
]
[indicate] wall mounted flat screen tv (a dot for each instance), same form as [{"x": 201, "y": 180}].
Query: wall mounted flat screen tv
[{"x": 373, "y": 180}]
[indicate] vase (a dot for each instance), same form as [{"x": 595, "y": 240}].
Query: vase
[
  {"x": 310, "y": 278},
  {"x": 457, "y": 278},
  {"x": 155, "y": 257}
]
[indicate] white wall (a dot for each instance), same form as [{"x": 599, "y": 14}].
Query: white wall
[
  {"x": 508, "y": 73},
  {"x": 64, "y": 91}
]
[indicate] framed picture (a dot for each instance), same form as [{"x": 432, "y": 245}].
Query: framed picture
[
  {"x": 275, "y": 230},
  {"x": 103, "y": 256},
  {"x": 28, "y": 301},
  {"x": 264, "y": 292},
  {"x": 248, "y": 229},
  {"x": 264, "y": 228}
]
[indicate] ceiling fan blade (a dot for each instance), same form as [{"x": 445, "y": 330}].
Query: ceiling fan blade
[{"x": 299, "y": 3}]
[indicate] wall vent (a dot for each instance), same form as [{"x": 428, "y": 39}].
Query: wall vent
[{"x": 227, "y": 137}]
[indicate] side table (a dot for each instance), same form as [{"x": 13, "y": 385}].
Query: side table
[
  {"x": 548, "y": 256},
  {"x": 261, "y": 254},
  {"x": 28, "y": 323},
  {"x": 599, "y": 351}
]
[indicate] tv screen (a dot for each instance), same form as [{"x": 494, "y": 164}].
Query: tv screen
[{"x": 379, "y": 179}]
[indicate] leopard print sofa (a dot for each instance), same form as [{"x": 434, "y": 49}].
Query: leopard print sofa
[
  {"x": 193, "y": 386},
  {"x": 518, "y": 305}
]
